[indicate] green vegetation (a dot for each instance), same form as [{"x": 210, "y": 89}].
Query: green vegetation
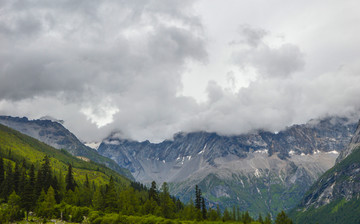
[
  {"x": 18, "y": 147},
  {"x": 257, "y": 195},
  {"x": 339, "y": 211},
  {"x": 40, "y": 183}
]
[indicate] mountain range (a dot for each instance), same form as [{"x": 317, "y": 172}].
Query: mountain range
[
  {"x": 242, "y": 170},
  {"x": 259, "y": 171}
]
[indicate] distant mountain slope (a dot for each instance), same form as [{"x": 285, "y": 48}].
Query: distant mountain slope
[
  {"x": 15, "y": 145},
  {"x": 56, "y": 135},
  {"x": 335, "y": 197},
  {"x": 243, "y": 170},
  {"x": 354, "y": 143}
]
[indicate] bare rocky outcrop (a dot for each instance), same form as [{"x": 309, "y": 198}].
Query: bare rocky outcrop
[{"x": 354, "y": 143}]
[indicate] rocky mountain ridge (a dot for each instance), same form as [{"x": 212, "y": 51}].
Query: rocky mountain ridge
[
  {"x": 243, "y": 170},
  {"x": 343, "y": 181}
]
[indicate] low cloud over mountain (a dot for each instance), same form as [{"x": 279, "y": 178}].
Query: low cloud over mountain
[{"x": 151, "y": 69}]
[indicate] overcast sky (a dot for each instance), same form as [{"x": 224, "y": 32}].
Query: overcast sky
[{"x": 152, "y": 68}]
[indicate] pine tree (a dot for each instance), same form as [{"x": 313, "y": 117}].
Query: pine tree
[
  {"x": 16, "y": 178},
  {"x": 189, "y": 212},
  {"x": 238, "y": 216},
  {"x": 14, "y": 203},
  {"x": 197, "y": 197},
  {"x": 86, "y": 193},
  {"x": 28, "y": 196},
  {"x": 44, "y": 176},
  {"x": 32, "y": 175},
  {"x": 150, "y": 206},
  {"x": 233, "y": 213},
  {"x": 2, "y": 171},
  {"x": 166, "y": 203},
  {"x": 212, "y": 215},
  {"x": 46, "y": 173},
  {"x": 226, "y": 216},
  {"x": 246, "y": 218},
  {"x": 24, "y": 165},
  {"x": 98, "y": 199},
  {"x": 87, "y": 183},
  {"x": 153, "y": 194},
  {"x": 39, "y": 201},
  {"x": 39, "y": 183},
  {"x": 70, "y": 197},
  {"x": 267, "y": 219},
  {"x": 218, "y": 211},
  {"x": 22, "y": 182},
  {"x": 111, "y": 197},
  {"x": 179, "y": 205},
  {"x": 69, "y": 180},
  {"x": 61, "y": 186},
  {"x": 203, "y": 208},
  {"x": 260, "y": 219},
  {"x": 56, "y": 186},
  {"x": 282, "y": 218},
  {"x": 48, "y": 206},
  {"x": 8, "y": 184},
  {"x": 76, "y": 196}
]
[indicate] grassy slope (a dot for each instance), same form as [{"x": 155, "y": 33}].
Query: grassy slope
[
  {"x": 22, "y": 146},
  {"x": 339, "y": 210},
  {"x": 70, "y": 142}
]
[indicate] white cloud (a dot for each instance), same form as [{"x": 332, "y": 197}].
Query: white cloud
[
  {"x": 141, "y": 66},
  {"x": 279, "y": 61}
]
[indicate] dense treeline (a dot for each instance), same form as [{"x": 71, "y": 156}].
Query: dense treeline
[{"x": 25, "y": 188}]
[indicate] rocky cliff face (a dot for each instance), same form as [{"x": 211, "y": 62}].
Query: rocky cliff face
[
  {"x": 342, "y": 181},
  {"x": 354, "y": 143},
  {"x": 56, "y": 135},
  {"x": 245, "y": 170},
  {"x": 335, "y": 196}
]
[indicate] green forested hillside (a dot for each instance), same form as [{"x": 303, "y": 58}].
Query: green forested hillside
[
  {"x": 57, "y": 136},
  {"x": 16, "y": 147}
]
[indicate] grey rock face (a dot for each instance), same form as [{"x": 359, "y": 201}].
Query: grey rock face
[
  {"x": 243, "y": 170},
  {"x": 341, "y": 182},
  {"x": 354, "y": 143}
]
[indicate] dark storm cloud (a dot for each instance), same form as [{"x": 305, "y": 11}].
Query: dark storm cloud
[
  {"x": 87, "y": 46},
  {"x": 104, "y": 58}
]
